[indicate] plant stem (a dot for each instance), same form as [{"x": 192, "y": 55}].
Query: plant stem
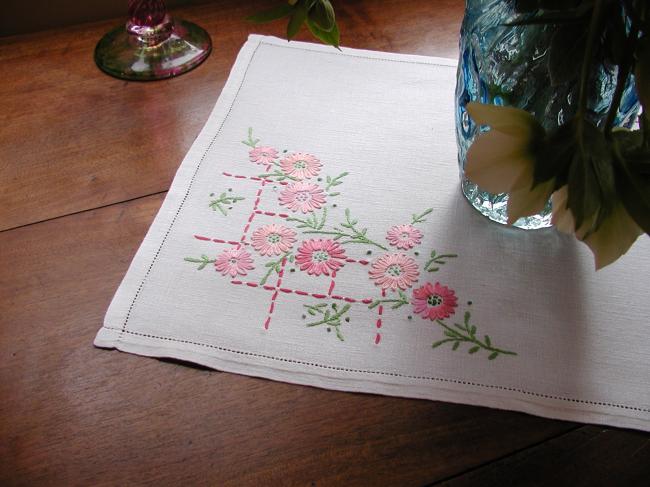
[{"x": 589, "y": 54}]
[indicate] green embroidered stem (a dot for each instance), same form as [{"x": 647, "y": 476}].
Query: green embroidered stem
[
  {"x": 277, "y": 176},
  {"x": 275, "y": 265},
  {"x": 420, "y": 218},
  {"x": 312, "y": 222},
  {"x": 437, "y": 259},
  {"x": 467, "y": 333},
  {"x": 250, "y": 142},
  {"x": 353, "y": 235},
  {"x": 331, "y": 182},
  {"x": 203, "y": 261},
  {"x": 224, "y": 199},
  {"x": 397, "y": 303},
  {"x": 331, "y": 320}
]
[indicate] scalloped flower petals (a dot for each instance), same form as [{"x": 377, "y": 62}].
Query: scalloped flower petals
[
  {"x": 394, "y": 271},
  {"x": 262, "y": 155},
  {"x": 233, "y": 262},
  {"x": 404, "y": 236},
  {"x": 434, "y": 301},
  {"x": 320, "y": 256},
  {"x": 273, "y": 239},
  {"x": 509, "y": 120},
  {"x": 302, "y": 196},
  {"x": 614, "y": 237},
  {"x": 301, "y": 165}
]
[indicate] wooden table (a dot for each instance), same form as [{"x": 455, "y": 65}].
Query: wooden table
[{"x": 85, "y": 162}]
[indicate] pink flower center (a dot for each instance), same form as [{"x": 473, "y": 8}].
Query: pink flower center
[
  {"x": 404, "y": 235},
  {"x": 394, "y": 270},
  {"x": 300, "y": 164},
  {"x": 273, "y": 238},
  {"x": 320, "y": 256},
  {"x": 265, "y": 154},
  {"x": 302, "y": 196},
  {"x": 434, "y": 300},
  {"x": 233, "y": 261}
]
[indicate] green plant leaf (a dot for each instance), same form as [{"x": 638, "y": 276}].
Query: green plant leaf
[
  {"x": 271, "y": 14},
  {"x": 493, "y": 355},
  {"x": 298, "y": 17},
  {"x": 591, "y": 178},
  {"x": 322, "y": 14},
  {"x": 473, "y": 350},
  {"x": 332, "y": 37},
  {"x": 633, "y": 176}
]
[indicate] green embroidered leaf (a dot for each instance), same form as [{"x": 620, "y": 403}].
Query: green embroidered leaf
[
  {"x": 438, "y": 343},
  {"x": 473, "y": 350},
  {"x": 455, "y": 347},
  {"x": 488, "y": 342},
  {"x": 493, "y": 355}
]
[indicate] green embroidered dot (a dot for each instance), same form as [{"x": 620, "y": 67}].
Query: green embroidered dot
[
  {"x": 319, "y": 179},
  {"x": 469, "y": 303},
  {"x": 334, "y": 205},
  {"x": 320, "y": 256},
  {"x": 273, "y": 238},
  {"x": 285, "y": 150},
  {"x": 417, "y": 253},
  {"x": 304, "y": 316},
  {"x": 328, "y": 330},
  {"x": 394, "y": 270},
  {"x": 211, "y": 194},
  {"x": 410, "y": 317},
  {"x": 347, "y": 319},
  {"x": 369, "y": 252},
  {"x": 229, "y": 189},
  {"x": 292, "y": 270}
]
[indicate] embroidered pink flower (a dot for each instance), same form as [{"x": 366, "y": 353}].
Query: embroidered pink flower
[
  {"x": 393, "y": 271},
  {"x": 434, "y": 301},
  {"x": 300, "y": 165},
  {"x": 263, "y": 155},
  {"x": 302, "y": 196},
  {"x": 273, "y": 239},
  {"x": 404, "y": 236},
  {"x": 234, "y": 261},
  {"x": 318, "y": 256}
]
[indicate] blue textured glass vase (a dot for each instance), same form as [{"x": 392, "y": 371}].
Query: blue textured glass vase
[{"x": 508, "y": 65}]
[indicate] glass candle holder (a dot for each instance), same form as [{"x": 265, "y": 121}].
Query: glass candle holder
[{"x": 152, "y": 45}]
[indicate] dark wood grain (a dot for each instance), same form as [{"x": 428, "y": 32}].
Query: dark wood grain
[
  {"x": 73, "y": 138},
  {"x": 71, "y": 413},
  {"x": 587, "y": 456}
]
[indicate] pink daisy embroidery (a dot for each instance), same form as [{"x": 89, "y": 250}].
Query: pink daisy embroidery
[
  {"x": 393, "y": 271},
  {"x": 234, "y": 261},
  {"x": 318, "y": 256},
  {"x": 263, "y": 155},
  {"x": 434, "y": 301},
  {"x": 300, "y": 165},
  {"x": 404, "y": 236},
  {"x": 302, "y": 196},
  {"x": 273, "y": 239}
]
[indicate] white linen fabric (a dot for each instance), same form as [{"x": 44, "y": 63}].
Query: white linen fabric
[{"x": 315, "y": 234}]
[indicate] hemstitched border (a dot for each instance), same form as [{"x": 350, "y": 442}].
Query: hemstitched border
[{"x": 384, "y": 373}]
